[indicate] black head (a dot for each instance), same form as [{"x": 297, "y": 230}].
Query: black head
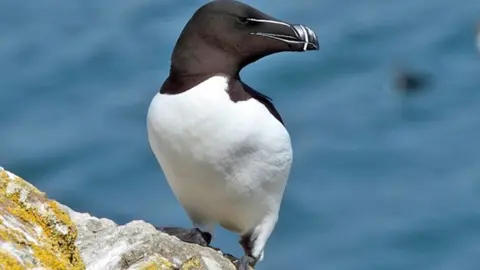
[{"x": 223, "y": 36}]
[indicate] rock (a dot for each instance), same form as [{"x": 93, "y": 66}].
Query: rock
[
  {"x": 138, "y": 245},
  {"x": 38, "y": 232},
  {"x": 34, "y": 231}
]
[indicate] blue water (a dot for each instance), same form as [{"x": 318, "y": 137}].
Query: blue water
[{"x": 379, "y": 181}]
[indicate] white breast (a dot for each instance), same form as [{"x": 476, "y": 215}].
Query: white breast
[{"x": 226, "y": 162}]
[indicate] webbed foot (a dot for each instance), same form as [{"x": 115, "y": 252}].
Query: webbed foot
[
  {"x": 194, "y": 235},
  {"x": 245, "y": 262}
]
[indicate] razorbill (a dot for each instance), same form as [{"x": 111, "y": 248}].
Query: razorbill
[{"x": 221, "y": 144}]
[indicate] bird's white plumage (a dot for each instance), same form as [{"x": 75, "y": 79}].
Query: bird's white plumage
[{"x": 226, "y": 162}]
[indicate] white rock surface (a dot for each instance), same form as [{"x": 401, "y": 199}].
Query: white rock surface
[{"x": 105, "y": 245}]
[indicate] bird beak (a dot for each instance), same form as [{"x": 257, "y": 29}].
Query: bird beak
[{"x": 297, "y": 36}]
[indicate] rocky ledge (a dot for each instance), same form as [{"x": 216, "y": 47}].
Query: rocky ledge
[{"x": 39, "y": 233}]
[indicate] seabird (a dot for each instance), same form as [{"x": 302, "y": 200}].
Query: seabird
[
  {"x": 409, "y": 81},
  {"x": 222, "y": 145}
]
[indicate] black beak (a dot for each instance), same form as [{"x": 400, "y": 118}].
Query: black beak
[{"x": 297, "y": 36}]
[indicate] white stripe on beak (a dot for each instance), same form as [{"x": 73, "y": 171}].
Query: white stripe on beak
[
  {"x": 269, "y": 21},
  {"x": 306, "y": 37}
]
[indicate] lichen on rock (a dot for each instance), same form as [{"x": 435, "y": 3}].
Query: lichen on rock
[
  {"x": 39, "y": 233},
  {"x": 34, "y": 231}
]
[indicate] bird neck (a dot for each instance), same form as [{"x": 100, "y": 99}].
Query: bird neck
[{"x": 201, "y": 59}]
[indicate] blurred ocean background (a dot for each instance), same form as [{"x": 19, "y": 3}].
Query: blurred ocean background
[{"x": 379, "y": 181}]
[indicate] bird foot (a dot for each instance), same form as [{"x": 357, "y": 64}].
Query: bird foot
[
  {"x": 194, "y": 235},
  {"x": 245, "y": 263}
]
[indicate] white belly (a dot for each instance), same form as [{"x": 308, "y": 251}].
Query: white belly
[{"x": 226, "y": 162}]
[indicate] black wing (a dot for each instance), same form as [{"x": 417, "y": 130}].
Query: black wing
[{"x": 265, "y": 100}]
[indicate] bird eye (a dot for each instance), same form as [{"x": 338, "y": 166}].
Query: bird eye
[{"x": 243, "y": 20}]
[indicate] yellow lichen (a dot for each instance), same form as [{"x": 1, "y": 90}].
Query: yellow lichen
[
  {"x": 158, "y": 263},
  {"x": 8, "y": 262},
  {"x": 11, "y": 236},
  {"x": 54, "y": 247},
  {"x": 49, "y": 258},
  {"x": 150, "y": 266},
  {"x": 191, "y": 264},
  {"x": 165, "y": 264},
  {"x": 22, "y": 183}
]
